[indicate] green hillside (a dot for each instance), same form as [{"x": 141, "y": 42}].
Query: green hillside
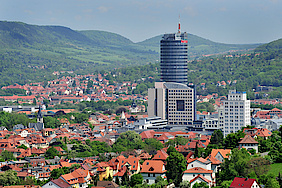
[
  {"x": 32, "y": 53},
  {"x": 199, "y": 46},
  {"x": 261, "y": 67}
]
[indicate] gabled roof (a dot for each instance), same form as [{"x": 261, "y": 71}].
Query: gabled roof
[
  {"x": 213, "y": 160},
  {"x": 153, "y": 166},
  {"x": 107, "y": 184},
  {"x": 263, "y": 132},
  {"x": 201, "y": 177},
  {"x": 242, "y": 182},
  {"x": 61, "y": 183},
  {"x": 161, "y": 155},
  {"x": 248, "y": 140},
  {"x": 223, "y": 152}
]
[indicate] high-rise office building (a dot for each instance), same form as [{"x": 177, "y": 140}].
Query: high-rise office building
[
  {"x": 172, "y": 101},
  {"x": 174, "y": 57},
  {"x": 234, "y": 113}
]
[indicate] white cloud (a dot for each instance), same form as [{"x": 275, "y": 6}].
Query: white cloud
[{"x": 104, "y": 9}]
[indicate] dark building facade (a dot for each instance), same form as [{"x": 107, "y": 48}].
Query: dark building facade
[{"x": 174, "y": 57}]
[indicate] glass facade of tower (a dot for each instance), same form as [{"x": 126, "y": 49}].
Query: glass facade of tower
[{"x": 174, "y": 57}]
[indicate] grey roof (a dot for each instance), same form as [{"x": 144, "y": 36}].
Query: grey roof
[
  {"x": 173, "y": 85},
  {"x": 36, "y": 126},
  {"x": 19, "y": 126}
]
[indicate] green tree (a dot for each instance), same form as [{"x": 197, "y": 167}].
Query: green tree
[
  {"x": 117, "y": 180},
  {"x": 56, "y": 173},
  {"x": 217, "y": 137},
  {"x": 74, "y": 166},
  {"x": 175, "y": 166},
  {"x": 51, "y": 122},
  {"x": 128, "y": 141},
  {"x": 7, "y": 155},
  {"x": 235, "y": 166},
  {"x": 200, "y": 185},
  {"x": 136, "y": 179},
  {"x": 152, "y": 145},
  {"x": 22, "y": 146},
  {"x": 259, "y": 165},
  {"x": 271, "y": 181},
  {"x": 185, "y": 184},
  {"x": 9, "y": 177},
  {"x": 51, "y": 153},
  {"x": 226, "y": 184},
  {"x": 125, "y": 178},
  {"x": 231, "y": 140}
]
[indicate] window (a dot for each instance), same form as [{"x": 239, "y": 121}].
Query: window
[{"x": 180, "y": 105}]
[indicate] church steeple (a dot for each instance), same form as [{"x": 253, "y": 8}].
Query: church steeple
[{"x": 39, "y": 115}]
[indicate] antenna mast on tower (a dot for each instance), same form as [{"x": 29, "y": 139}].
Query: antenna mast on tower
[{"x": 179, "y": 25}]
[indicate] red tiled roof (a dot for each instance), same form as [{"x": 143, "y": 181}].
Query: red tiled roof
[
  {"x": 223, "y": 152},
  {"x": 161, "y": 155},
  {"x": 198, "y": 170},
  {"x": 242, "y": 182},
  {"x": 202, "y": 177},
  {"x": 153, "y": 166},
  {"x": 248, "y": 140}
]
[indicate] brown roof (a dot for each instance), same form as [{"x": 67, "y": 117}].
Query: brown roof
[
  {"x": 61, "y": 183},
  {"x": 107, "y": 184},
  {"x": 248, "y": 140}
]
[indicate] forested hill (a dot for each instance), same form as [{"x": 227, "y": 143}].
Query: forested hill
[
  {"x": 262, "y": 67},
  {"x": 272, "y": 46},
  {"x": 199, "y": 46},
  {"x": 33, "y": 53}
]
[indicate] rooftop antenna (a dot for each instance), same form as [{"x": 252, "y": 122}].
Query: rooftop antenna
[{"x": 179, "y": 25}]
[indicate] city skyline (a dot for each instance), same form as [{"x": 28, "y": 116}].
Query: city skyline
[{"x": 220, "y": 21}]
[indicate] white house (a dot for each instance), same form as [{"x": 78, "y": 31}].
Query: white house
[
  {"x": 200, "y": 162},
  {"x": 193, "y": 174},
  {"x": 151, "y": 169}
]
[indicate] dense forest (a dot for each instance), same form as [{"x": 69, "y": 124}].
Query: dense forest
[{"x": 32, "y": 53}]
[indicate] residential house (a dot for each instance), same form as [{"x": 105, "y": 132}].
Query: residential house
[
  {"x": 104, "y": 170},
  {"x": 199, "y": 162},
  {"x": 151, "y": 169},
  {"x": 199, "y": 174},
  {"x": 249, "y": 143},
  {"x": 57, "y": 183},
  {"x": 221, "y": 154},
  {"x": 215, "y": 163},
  {"x": 77, "y": 178},
  {"x": 161, "y": 155}
]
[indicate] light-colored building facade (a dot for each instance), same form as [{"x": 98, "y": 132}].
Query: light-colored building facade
[
  {"x": 172, "y": 101},
  {"x": 234, "y": 113}
]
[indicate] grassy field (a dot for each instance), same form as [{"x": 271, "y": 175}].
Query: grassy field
[{"x": 276, "y": 168}]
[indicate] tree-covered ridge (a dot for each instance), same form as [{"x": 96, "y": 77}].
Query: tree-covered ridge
[
  {"x": 249, "y": 71},
  {"x": 274, "y": 45},
  {"x": 199, "y": 46},
  {"x": 31, "y": 52}
]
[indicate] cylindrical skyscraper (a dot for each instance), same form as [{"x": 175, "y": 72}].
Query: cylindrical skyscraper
[{"x": 174, "y": 57}]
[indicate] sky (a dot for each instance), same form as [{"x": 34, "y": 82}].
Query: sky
[{"x": 225, "y": 21}]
